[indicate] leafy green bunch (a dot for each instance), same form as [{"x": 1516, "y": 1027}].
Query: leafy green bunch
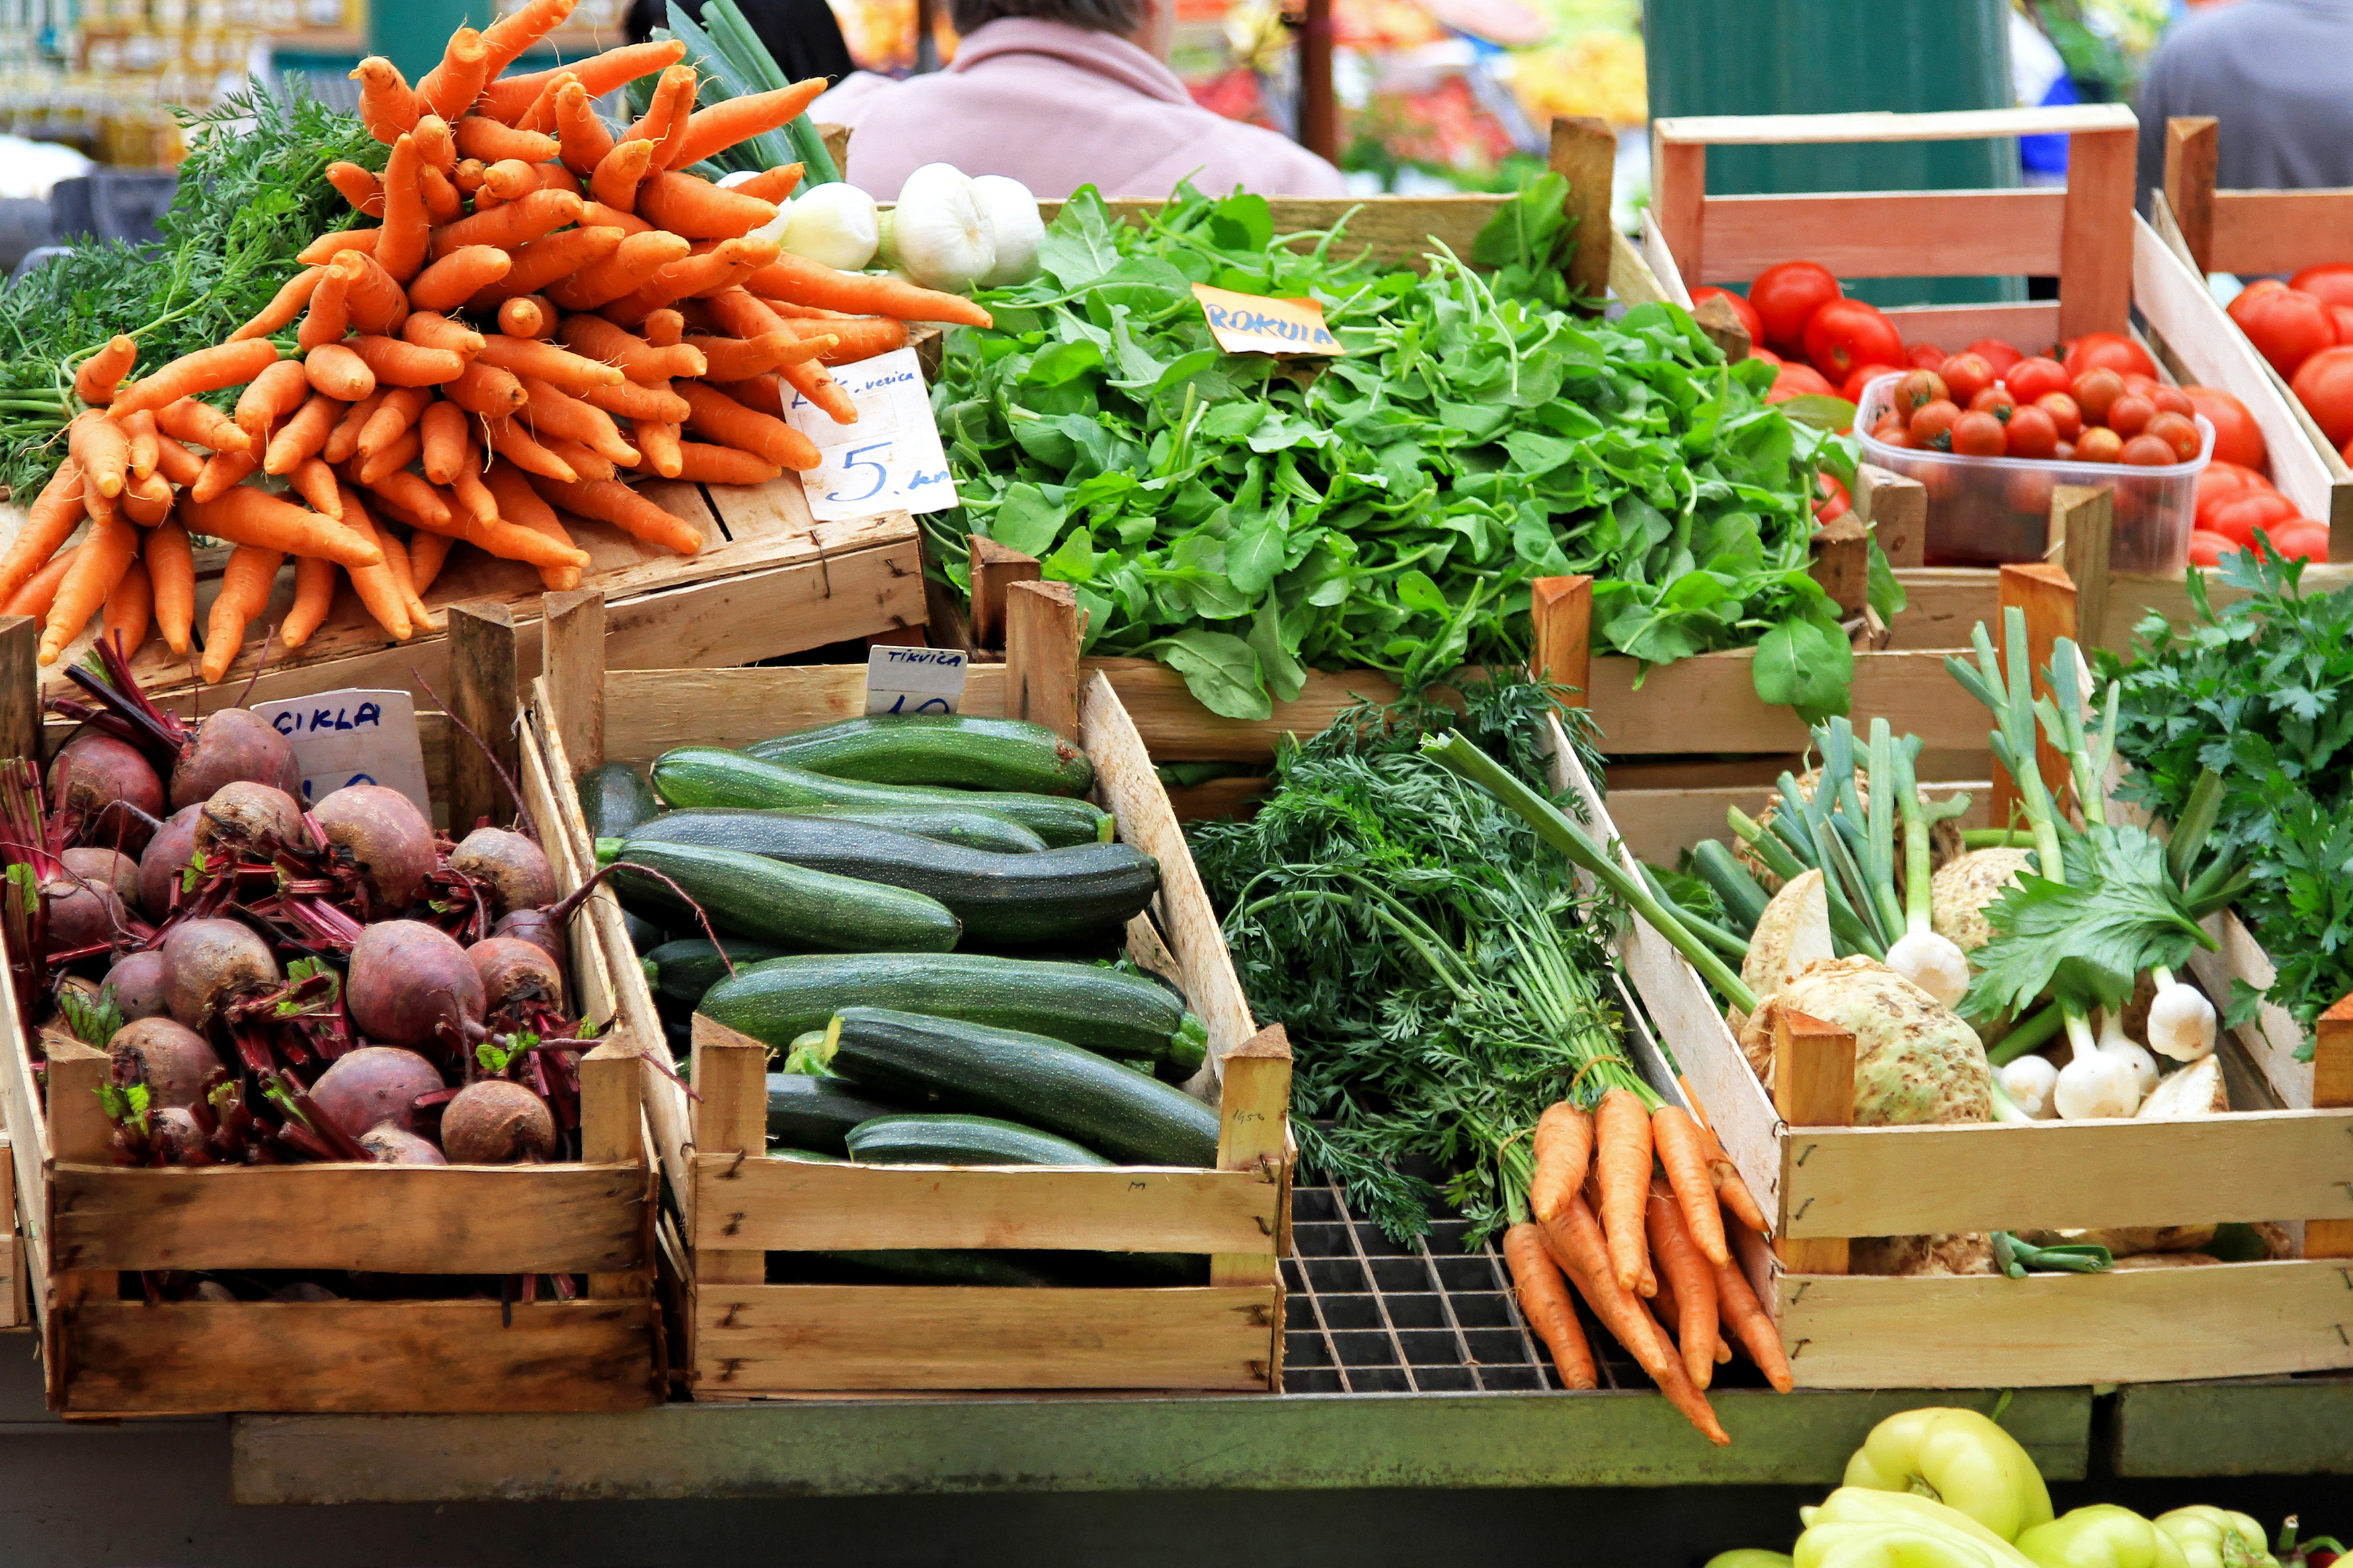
[
  {"x": 1244, "y": 519},
  {"x": 252, "y": 193}
]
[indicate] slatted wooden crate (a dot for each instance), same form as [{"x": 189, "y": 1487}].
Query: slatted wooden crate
[
  {"x": 752, "y": 1339},
  {"x": 110, "y": 1352},
  {"x": 13, "y": 1313}
]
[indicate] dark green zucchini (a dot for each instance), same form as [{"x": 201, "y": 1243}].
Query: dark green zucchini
[
  {"x": 644, "y": 935},
  {"x": 683, "y": 970},
  {"x": 1083, "y": 1005},
  {"x": 817, "y": 1113},
  {"x": 958, "y": 751},
  {"x": 973, "y": 828},
  {"x": 947, "y": 1065},
  {"x": 616, "y": 799},
  {"x": 1054, "y": 895},
  {"x": 786, "y": 906},
  {"x": 709, "y": 775},
  {"x": 915, "y": 1138}
]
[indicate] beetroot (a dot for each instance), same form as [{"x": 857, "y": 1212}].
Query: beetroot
[
  {"x": 170, "y": 1058},
  {"x": 137, "y": 980},
  {"x": 515, "y": 869},
  {"x": 107, "y": 867},
  {"x": 514, "y": 969},
  {"x": 232, "y": 745},
  {"x": 83, "y": 909},
  {"x": 537, "y": 927},
  {"x": 409, "y": 980},
  {"x": 167, "y": 856},
  {"x": 496, "y": 1122},
  {"x": 95, "y": 771},
  {"x": 241, "y": 812},
  {"x": 175, "y": 1131},
  {"x": 209, "y": 963},
  {"x": 387, "y": 837},
  {"x": 391, "y": 1146},
  {"x": 375, "y": 1084}
]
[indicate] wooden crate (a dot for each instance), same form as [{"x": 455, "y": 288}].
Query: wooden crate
[
  {"x": 769, "y": 580},
  {"x": 85, "y": 1218},
  {"x": 13, "y": 1313},
  {"x": 752, "y": 1339}
]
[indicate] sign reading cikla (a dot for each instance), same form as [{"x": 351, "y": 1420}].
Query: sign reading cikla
[
  {"x": 887, "y": 460},
  {"x": 353, "y": 738},
  {"x": 1251, "y": 324}
]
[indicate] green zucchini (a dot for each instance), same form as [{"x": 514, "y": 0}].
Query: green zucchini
[
  {"x": 1053, "y": 895},
  {"x": 710, "y": 775},
  {"x": 955, "y": 749},
  {"x": 1083, "y": 1004},
  {"x": 817, "y": 1113},
  {"x": 909, "y": 1139},
  {"x": 948, "y": 1065},
  {"x": 644, "y": 935},
  {"x": 683, "y": 970},
  {"x": 787, "y": 906},
  {"x": 949, "y": 823},
  {"x": 616, "y": 800}
]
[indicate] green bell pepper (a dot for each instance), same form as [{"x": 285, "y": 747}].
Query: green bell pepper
[
  {"x": 1748, "y": 1557},
  {"x": 2101, "y": 1536},
  {"x": 2217, "y": 1538},
  {"x": 1891, "y": 1546},
  {"x": 1860, "y": 1505},
  {"x": 1957, "y": 1458}
]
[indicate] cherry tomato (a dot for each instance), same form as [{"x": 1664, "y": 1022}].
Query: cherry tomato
[
  {"x": 1863, "y": 376},
  {"x": 2288, "y": 328},
  {"x": 1785, "y": 296},
  {"x": 2113, "y": 351},
  {"x": 1995, "y": 400},
  {"x": 1895, "y": 435},
  {"x": 2148, "y": 452},
  {"x": 2141, "y": 386},
  {"x": 1740, "y": 307},
  {"x": 2238, "y": 518},
  {"x": 2098, "y": 444},
  {"x": 1845, "y": 335},
  {"x": 2324, "y": 385},
  {"x": 2094, "y": 391},
  {"x": 2065, "y": 451},
  {"x": 1917, "y": 390},
  {"x": 2300, "y": 539},
  {"x": 2029, "y": 379},
  {"x": 1931, "y": 422},
  {"x": 1967, "y": 375},
  {"x": 2128, "y": 416},
  {"x": 1978, "y": 435},
  {"x": 1795, "y": 380},
  {"x": 1923, "y": 356},
  {"x": 2032, "y": 433},
  {"x": 2208, "y": 549},
  {"x": 2171, "y": 400},
  {"x": 2177, "y": 431},
  {"x": 1995, "y": 353},
  {"x": 2248, "y": 297},
  {"x": 2331, "y": 281},
  {"x": 1767, "y": 355},
  {"x": 1832, "y": 503},
  {"x": 2027, "y": 490},
  {"x": 2237, "y": 438},
  {"x": 2065, "y": 417}
]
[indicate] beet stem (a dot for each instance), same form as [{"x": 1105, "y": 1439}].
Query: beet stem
[{"x": 523, "y": 811}]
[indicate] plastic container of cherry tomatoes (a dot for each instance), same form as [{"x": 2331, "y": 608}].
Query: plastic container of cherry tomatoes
[{"x": 1983, "y": 511}]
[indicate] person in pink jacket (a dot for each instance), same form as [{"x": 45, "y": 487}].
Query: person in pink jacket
[{"x": 1060, "y": 94}]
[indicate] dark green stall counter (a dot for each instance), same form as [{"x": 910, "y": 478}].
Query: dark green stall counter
[{"x": 2247, "y": 1427}]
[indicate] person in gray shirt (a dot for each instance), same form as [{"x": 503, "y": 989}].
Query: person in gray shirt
[{"x": 2277, "y": 74}]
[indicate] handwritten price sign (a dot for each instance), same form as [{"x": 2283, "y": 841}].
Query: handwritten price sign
[
  {"x": 890, "y": 460},
  {"x": 1248, "y": 324},
  {"x": 353, "y": 737}
]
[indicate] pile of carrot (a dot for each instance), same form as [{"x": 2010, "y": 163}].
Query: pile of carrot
[
  {"x": 546, "y": 308},
  {"x": 1634, "y": 1208}
]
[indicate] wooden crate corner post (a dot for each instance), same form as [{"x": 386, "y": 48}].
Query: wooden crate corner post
[
  {"x": 995, "y": 568},
  {"x": 2082, "y": 538},
  {"x": 1042, "y": 655},
  {"x": 1560, "y": 610},
  {"x": 1813, "y": 1085},
  {"x": 1254, "y": 1122},
  {"x": 2096, "y": 234},
  {"x": 80, "y": 1135},
  {"x": 1584, "y": 153},
  {"x": 1896, "y": 509},
  {"x": 2047, "y": 596},
  {"x": 2332, "y": 1089},
  {"x": 612, "y": 1121},
  {"x": 483, "y": 698},
  {"x": 730, "y": 1124},
  {"x": 571, "y": 660},
  {"x": 2192, "y": 143},
  {"x": 20, "y": 688}
]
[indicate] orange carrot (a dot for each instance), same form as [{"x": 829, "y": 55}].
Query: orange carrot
[
  {"x": 416, "y": 497},
  {"x": 277, "y": 392},
  {"x": 742, "y": 314},
  {"x": 608, "y": 501},
  {"x": 314, "y": 591},
  {"x": 55, "y": 513},
  {"x": 344, "y": 439},
  {"x": 381, "y": 590},
  {"x": 130, "y": 610},
  {"x": 473, "y": 496},
  {"x": 443, "y": 204},
  {"x": 493, "y": 143},
  {"x": 541, "y": 212},
  {"x": 507, "y": 541},
  {"x": 735, "y": 120},
  {"x": 330, "y": 315},
  {"x": 507, "y": 39},
  {"x": 206, "y": 369},
  {"x": 427, "y": 551},
  {"x": 595, "y": 213},
  {"x": 549, "y": 261},
  {"x": 741, "y": 358},
  {"x": 509, "y": 181},
  {"x": 401, "y": 408},
  {"x": 706, "y": 464},
  {"x": 359, "y": 187},
  {"x": 249, "y": 516},
  {"x": 246, "y": 581},
  {"x": 1622, "y": 1170},
  {"x": 764, "y": 393},
  {"x": 1690, "y": 1280},
  {"x": 99, "y": 374},
  {"x": 525, "y": 316},
  {"x": 176, "y": 462},
  {"x": 615, "y": 180},
  {"x": 1730, "y": 1190},
  {"x": 552, "y": 412},
  {"x": 581, "y": 137},
  {"x": 338, "y": 371},
  {"x": 522, "y": 505},
  {"x": 1578, "y": 1245},
  {"x": 808, "y": 378},
  {"x": 373, "y": 299},
  {"x": 449, "y": 88},
  {"x": 35, "y": 595},
  {"x": 487, "y": 390},
  {"x": 98, "y": 566},
  {"x": 467, "y": 176},
  {"x": 190, "y": 420},
  {"x": 146, "y": 443},
  {"x": 658, "y": 443},
  {"x": 636, "y": 258},
  {"x": 584, "y": 462},
  {"x": 1545, "y": 1302},
  {"x": 314, "y": 481},
  {"x": 511, "y": 441},
  {"x": 725, "y": 420},
  {"x": 666, "y": 110},
  {"x": 688, "y": 204},
  {"x": 104, "y": 450},
  {"x": 389, "y": 106},
  {"x": 631, "y": 400},
  {"x": 1683, "y": 1154},
  {"x": 707, "y": 272},
  {"x": 431, "y": 330},
  {"x": 1564, "y": 1147},
  {"x": 407, "y": 228},
  {"x": 636, "y": 358},
  {"x": 774, "y": 185},
  {"x": 301, "y": 435},
  {"x": 527, "y": 356},
  {"x": 1736, "y": 1303},
  {"x": 405, "y": 449},
  {"x": 541, "y": 116},
  {"x": 283, "y": 307},
  {"x": 442, "y": 432},
  {"x": 664, "y": 327},
  {"x": 398, "y": 364},
  {"x": 855, "y": 337},
  {"x": 598, "y": 75},
  {"x": 806, "y": 283},
  {"x": 147, "y": 501},
  {"x": 224, "y": 471},
  {"x": 327, "y": 246}
]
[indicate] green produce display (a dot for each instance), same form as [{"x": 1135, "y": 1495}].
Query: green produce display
[
  {"x": 616, "y": 800},
  {"x": 956, "y": 751},
  {"x": 787, "y": 906},
  {"x": 681, "y": 971},
  {"x": 969, "y": 826},
  {"x": 947, "y": 1139},
  {"x": 809, "y": 1113},
  {"x": 710, "y": 775}
]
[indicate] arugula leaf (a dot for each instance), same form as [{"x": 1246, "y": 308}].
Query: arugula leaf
[
  {"x": 1807, "y": 665},
  {"x": 1221, "y": 671}
]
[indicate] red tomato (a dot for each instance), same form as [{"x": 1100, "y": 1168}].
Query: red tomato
[
  {"x": 2248, "y": 297},
  {"x": 2065, "y": 414},
  {"x": 1923, "y": 356},
  {"x": 1895, "y": 435},
  {"x": 2029, "y": 379},
  {"x": 2171, "y": 400},
  {"x": 2177, "y": 432},
  {"x": 2238, "y": 518},
  {"x": 2219, "y": 481},
  {"x": 2331, "y": 281},
  {"x": 2324, "y": 385},
  {"x": 1930, "y": 422},
  {"x": 1785, "y": 298},
  {"x": 1832, "y": 503},
  {"x": 1863, "y": 376},
  {"x": 2032, "y": 433},
  {"x": 1995, "y": 400},
  {"x": 2128, "y": 416},
  {"x": 2341, "y": 318},
  {"x": 2300, "y": 539},
  {"x": 1919, "y": 389},
  {"x": 1967, "y": 375},
  {"x": 2112, "y": 350},
  {"x": 2236, "y": 438},
  {"x": 2147, "y": 452},
  {"x": 1767, "y": 355},
  {"x": 1797, "y": 380},
  {"x": 2098, "y": 444},
  {"x": 1740, "y": 307},
  {"x": 2065, "y": 451},
  {"x": 1978, "y": 435},
  {"x": 2141, "y": 386},
  {"x": 2208, "y": 549},
  {"x": 1845, "y": 335},
  {"x": 2094, "y": 391},
  {"x": 1995, "y": 353},
  {"x": 2288, "y": 328}
]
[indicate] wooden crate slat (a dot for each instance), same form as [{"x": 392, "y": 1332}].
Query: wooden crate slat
[
  {"x": 756, "y": 512},
  {"x": 394, "y": 1219},
  {"x": 2033, "y": 325},
  {"x": 765, "y": 1338},
  {"x": 647, "y": 711},
  {"x": 2280, "y": 231},
  {"x": 2271, "y": 1037},
  {"x": 1885, "y": 234},
  {"x": 360, "y": 1357},
  {"x": 787, "y": 1205},
  {"x": 1395, "y": 229},
  {"x": 2142, "y": 1325},
  {"x": 1886, "y": 125}
]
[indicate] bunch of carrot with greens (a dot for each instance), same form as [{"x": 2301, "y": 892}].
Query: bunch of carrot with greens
[{"x": 542, "y": 309}]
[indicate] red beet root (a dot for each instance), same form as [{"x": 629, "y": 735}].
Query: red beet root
[
  {"x": 496, "y": 1122},
  {"x": 387, "y": 837},
  {"x": 170, "y": 1058},
  {"x": 137, "y": 982},
  {"x": 183, "y": 1141},
  {"x": 166, "y": 857},
  {"x": 106, "y": 867},
  {"x": 94, "y": 771},
  {"x": 514, "y": 969},
  {"x": 537, "y": 928},
  {"x": 239, "y": 813},
  {"x": 515, "y": 869},
  {"x": 233, "y": 743},
  {"x": 391, "y": 1146},
  {"x": 409, "y": 980},
  {"x": 209, "y": 963},
  {"x": 83, "y": 909},
  {"x": 373, "y": 1085}
]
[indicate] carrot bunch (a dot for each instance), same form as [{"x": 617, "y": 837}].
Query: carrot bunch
[
  {"x": 1628, "y": 1204},
  {"x": 543, "y": 311}
]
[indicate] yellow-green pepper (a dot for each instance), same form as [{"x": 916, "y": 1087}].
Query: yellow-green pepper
[
  {"x": 1891, "y": 1546},
  {"x": 1959, "y": 1459},
  {"x": 2101, "y": 1536},
  {"x": 1749, "y": 1557},
  {"x": 2217, "y": 1538},
  {"x": 1860, "y": 1505}
]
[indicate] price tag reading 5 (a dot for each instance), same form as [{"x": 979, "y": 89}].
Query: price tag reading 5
[{"x": 890, "y": 458}]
